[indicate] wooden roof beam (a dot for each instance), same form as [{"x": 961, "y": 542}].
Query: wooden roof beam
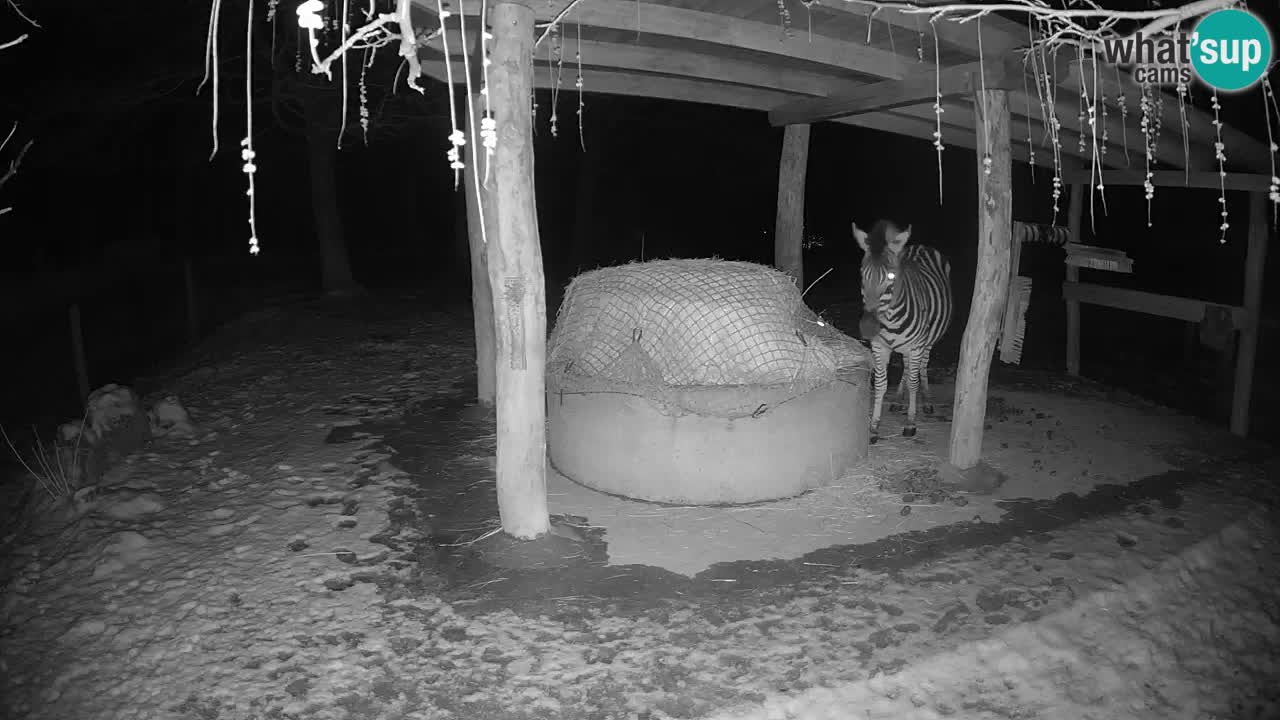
[
  {"x": 649, "y": 18},
  {"x": 713, "y": 93},
  {"x": 1250, "y": 182},
  {"x": 999, "y": 35},
  {"x": 920, "y": 87},
  {"x": 638, "y": 58}
]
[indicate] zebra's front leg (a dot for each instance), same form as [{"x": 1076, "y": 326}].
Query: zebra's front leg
[
  {"x": 911, "y": 369},
  {"x": 880, "y": 351}
]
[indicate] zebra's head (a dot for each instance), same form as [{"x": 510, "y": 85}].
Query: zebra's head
[{"x": 881, "y": 249}]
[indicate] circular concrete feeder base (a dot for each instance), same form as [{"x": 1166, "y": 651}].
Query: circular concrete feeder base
[{"x": 621, "y": 443}]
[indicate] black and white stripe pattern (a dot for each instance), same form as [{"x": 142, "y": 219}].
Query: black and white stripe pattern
[
  {"x": 1054, "y": 235},
  {"x": 907, "y": 307}
]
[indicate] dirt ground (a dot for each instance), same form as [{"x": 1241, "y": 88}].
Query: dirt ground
[{"x": 321, "y": 549}]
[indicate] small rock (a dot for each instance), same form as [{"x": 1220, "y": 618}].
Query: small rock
[
  {"x": 989, "y": 601},
  {"x": 892, "y": 610},
  {"x": 1126, "y": 540},
  {"x": 523, "y": 666}
]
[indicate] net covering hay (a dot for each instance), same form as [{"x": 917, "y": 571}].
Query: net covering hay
[{"x": 658, "y": 326}]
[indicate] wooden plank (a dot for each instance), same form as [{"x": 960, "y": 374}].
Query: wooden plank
[
  {"x": 919, "y": 87},
  {"x": 715, "y": 29},
  {"x": 714, "y": 93},
  {"x": 1176, "y": 178},
  {"x": 518, "y": 287},
  {"x": 788, "y": 237},
  {"x": 1075, "y": 220},
  {"x": 696, "y": 65},
  {"x": 900, "y": 124},
  {"x": 1170, "y": 306},
  {"x": 681, "y": 63},
  {"x": 995, "y": 241},
  {"x": 1009, "y": 317},
  {"x": 961, "y": 115},
  {"x": 1255, "y": 262},
  {"x": 999, "y": 35}
]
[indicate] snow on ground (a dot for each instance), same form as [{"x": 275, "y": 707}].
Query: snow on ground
[{"x": 256, "y": 571}]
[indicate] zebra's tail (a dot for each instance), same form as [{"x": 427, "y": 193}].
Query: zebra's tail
[{"x": 1055, "y": 235}]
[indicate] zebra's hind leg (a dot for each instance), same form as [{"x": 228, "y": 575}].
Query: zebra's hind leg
[
  {"x": 880, "y": 351},
  {"x": 912, "y": 364},
  {"x": 927, "y": 405}
]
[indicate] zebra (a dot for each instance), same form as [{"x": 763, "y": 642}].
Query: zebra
[{"x": 907, "y": 307}]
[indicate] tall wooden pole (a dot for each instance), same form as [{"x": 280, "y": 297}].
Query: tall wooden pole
[
  {"x": 991, "y": 286},
  {"x": 1075, "y": 218},
  {"x": 480, "y": 195},
  {"x": 1255, "y": 259},
  {"x": 516, "y": 280},
  {"x": 788, "y": 237}
]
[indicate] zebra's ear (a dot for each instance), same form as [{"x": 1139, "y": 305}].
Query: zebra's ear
[
  {"x": 900, "y": 240},
  {"x": 860, "y": 235}
]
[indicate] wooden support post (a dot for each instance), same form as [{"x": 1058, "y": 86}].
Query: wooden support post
[
  {"x": 1255, "y": 259},
  {"x": 193, "y": 313},
  {"x": 1075, "y": 217},
  {"x": 480, "y": 231},
  {"x": 518, "y": 287},
  {"x": 991, "y": 285},
  {"x": 788, "y": 236},
  {"x": 77, "y": 353},
  {"x": 481, "y": 293}
]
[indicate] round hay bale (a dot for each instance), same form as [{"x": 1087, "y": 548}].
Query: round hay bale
[{"x": 701, "y": 382}]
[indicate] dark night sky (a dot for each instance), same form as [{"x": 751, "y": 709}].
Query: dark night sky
[{"x": 122, "y": 144}]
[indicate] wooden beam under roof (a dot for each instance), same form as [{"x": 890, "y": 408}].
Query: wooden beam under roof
[
  {"x": 768, "y": 38},
  {"x": 712, "y": 29},
  {"x": 920, "y": 87},
  {"x": 999, "y": 36},
  {"x": 713, "y": 93},
  {"x": 685, "y": 63},
  {"x": 958, "y": 121},
  {"x": 1251, "y": 182}
]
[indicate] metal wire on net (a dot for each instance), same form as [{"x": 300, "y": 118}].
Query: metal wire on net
[{"x": 667, "y": 324}]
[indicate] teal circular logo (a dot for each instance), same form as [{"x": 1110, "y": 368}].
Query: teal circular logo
[{"x": 1231, "y": 49}]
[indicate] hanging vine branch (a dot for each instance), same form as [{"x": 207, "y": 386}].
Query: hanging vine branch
[
  {"x": 1083, "y": 26},
  {"x": 16, "y": 162}
]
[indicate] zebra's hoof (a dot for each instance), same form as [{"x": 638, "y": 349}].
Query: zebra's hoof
[
  {"x": 874, "y": 438},
  {"x": 909, "y": 431},
  {"x": 928, "y": 409},
  {"x": 895, "y": 407}
]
